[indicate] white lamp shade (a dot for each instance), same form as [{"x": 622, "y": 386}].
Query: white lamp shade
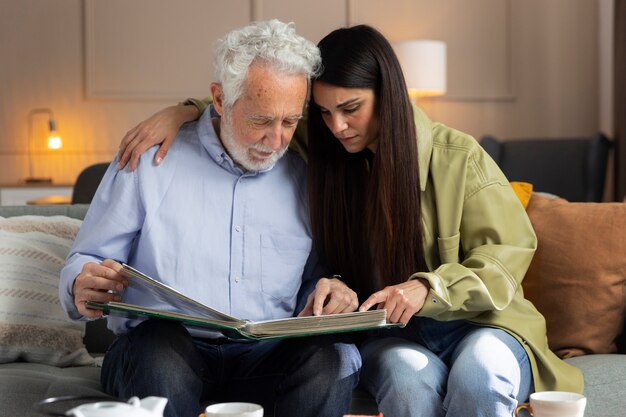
[{"x": 424, "y": 65}]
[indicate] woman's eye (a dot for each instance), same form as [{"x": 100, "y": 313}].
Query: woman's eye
[{"x": 351, "y": 109}]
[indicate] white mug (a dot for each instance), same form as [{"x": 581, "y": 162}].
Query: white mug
[
  {"x": 554, "y": 404},
  {"x": 233, "y": 410}
]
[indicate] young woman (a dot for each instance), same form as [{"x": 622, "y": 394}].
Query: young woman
[{"x": 417, "y": 218}]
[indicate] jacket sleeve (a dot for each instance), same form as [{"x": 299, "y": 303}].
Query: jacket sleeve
[
  {"x": 201, "y": 105},
  {"x": 484, "y": 240}
]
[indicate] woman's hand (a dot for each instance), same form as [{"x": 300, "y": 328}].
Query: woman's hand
[
  {"x": 162, "y": 127},
  {"x": 402, "y": 301},
  {"x": 331, "y": 296}
]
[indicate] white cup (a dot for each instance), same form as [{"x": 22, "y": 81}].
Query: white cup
[
  {"x": 554, "y": 404},
  {"x": 233, "y": 410}
]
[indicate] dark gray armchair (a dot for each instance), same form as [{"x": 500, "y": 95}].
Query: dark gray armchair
[
  {"x": 572, "y": 168},
  {"x": 87, "y": 183}
]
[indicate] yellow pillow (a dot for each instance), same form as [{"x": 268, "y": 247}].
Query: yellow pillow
[{"x": 523, "y": 190}]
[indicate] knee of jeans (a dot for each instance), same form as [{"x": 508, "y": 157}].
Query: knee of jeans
[
  {"x": 494, "y": 358},
  {"x": 387, "y": 353},
  {"x": 404, "y": 366},
  {"x": 490, "y": 353},
  {"x": 336, "y": 360}
]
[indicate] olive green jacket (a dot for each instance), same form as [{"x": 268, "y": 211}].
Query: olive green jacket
[{"x": 478, "y": 245}]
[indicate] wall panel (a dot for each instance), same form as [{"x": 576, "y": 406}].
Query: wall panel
[
  {"x": 313, "y": 19},
  {"x": 154, "y": 49},
  {"x": 477, "y": 34}
]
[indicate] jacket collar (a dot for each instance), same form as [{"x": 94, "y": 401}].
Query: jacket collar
[{"x": 423, "y": 128}]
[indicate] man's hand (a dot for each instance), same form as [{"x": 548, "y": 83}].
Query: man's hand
[
  {"x": 331, "y": 296},
  {"x": 98, "y": 282},
  {"x": 402, "y": 301}
]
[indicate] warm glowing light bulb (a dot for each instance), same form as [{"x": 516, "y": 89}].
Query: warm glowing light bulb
[{"x": 54, "y": 141}]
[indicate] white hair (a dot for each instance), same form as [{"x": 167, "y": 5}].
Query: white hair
[{"x": 273, "y": 42}]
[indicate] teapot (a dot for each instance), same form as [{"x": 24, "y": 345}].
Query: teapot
[{"x": 148, "y": 407}]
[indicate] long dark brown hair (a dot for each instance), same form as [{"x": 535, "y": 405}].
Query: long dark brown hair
[{"x": 365, "y": 208}]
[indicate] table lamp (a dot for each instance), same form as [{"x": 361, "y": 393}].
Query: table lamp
[
  {"x": 54, "y": 142},
  {"x": 424, "y": 65}
]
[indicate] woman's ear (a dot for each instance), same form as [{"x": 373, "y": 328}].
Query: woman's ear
[{"x": 218, "y": 98}]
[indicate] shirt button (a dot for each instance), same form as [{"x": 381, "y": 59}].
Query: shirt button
[
  {"x": 236, "y": 279},
  {"x": 237, "y": 228},
  {"x": 240, "y": 179},
  {"x": 219, "y": 159}
]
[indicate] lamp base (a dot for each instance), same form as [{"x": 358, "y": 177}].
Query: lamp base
[{"x": 38, "y": 180}]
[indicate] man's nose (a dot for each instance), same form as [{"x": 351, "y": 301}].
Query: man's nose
[{"x": 274, "y": 137}]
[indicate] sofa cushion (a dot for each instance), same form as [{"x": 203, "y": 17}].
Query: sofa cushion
[
  {"x": 22, "y": 385},
  {"x": 605, "y": 383},
  {"x": 578, "y": 275},
  {"x": 33, "y": 325}
]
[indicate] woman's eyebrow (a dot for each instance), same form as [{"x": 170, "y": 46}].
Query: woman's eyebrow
[{"x": 347, "y": 102}]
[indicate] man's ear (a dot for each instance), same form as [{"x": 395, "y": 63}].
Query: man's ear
[{"x": 218, "y": 98}]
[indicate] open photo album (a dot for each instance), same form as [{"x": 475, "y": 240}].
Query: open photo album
[{"x": 202, "y": 316}]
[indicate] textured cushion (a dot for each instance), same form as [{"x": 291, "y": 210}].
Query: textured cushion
[
  {"x": 578, "y": 274},
  {"x": 33, "y": 326}
]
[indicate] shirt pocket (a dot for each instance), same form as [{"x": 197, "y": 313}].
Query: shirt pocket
[
  {"x": 449, "y": 249},
  {"x": 282, "y": 262}
]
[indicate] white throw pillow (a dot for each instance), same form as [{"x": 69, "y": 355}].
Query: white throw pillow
[{"x": 33, "y": 325}]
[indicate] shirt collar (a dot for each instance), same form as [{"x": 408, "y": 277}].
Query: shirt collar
[{"x": 209, "y": 139}]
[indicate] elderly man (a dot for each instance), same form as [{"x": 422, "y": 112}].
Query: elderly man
[{"x": 224, "y": 220}]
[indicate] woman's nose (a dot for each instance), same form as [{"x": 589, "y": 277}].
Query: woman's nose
[{"x": 338, "y": 124}]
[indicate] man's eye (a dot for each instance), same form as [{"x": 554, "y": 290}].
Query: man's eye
[
  {"x": 290, "y": 123},
  {"x": 262, "y": 123}
]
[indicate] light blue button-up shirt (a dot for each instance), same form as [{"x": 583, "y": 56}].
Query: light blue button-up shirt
[{"x": 237, "y": 241}]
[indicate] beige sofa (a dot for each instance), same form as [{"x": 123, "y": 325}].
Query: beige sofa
[{"x": 23, "y": 383}]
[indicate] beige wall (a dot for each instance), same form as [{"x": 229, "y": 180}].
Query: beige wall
[{"x": 515, "y": 68}]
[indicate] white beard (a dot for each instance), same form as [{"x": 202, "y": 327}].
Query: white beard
[{"x": 241, "y": 154}]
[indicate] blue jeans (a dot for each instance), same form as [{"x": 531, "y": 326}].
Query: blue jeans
[
  {"x": 312, "y": 376},
  {"x": 454, "y": 369}
]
